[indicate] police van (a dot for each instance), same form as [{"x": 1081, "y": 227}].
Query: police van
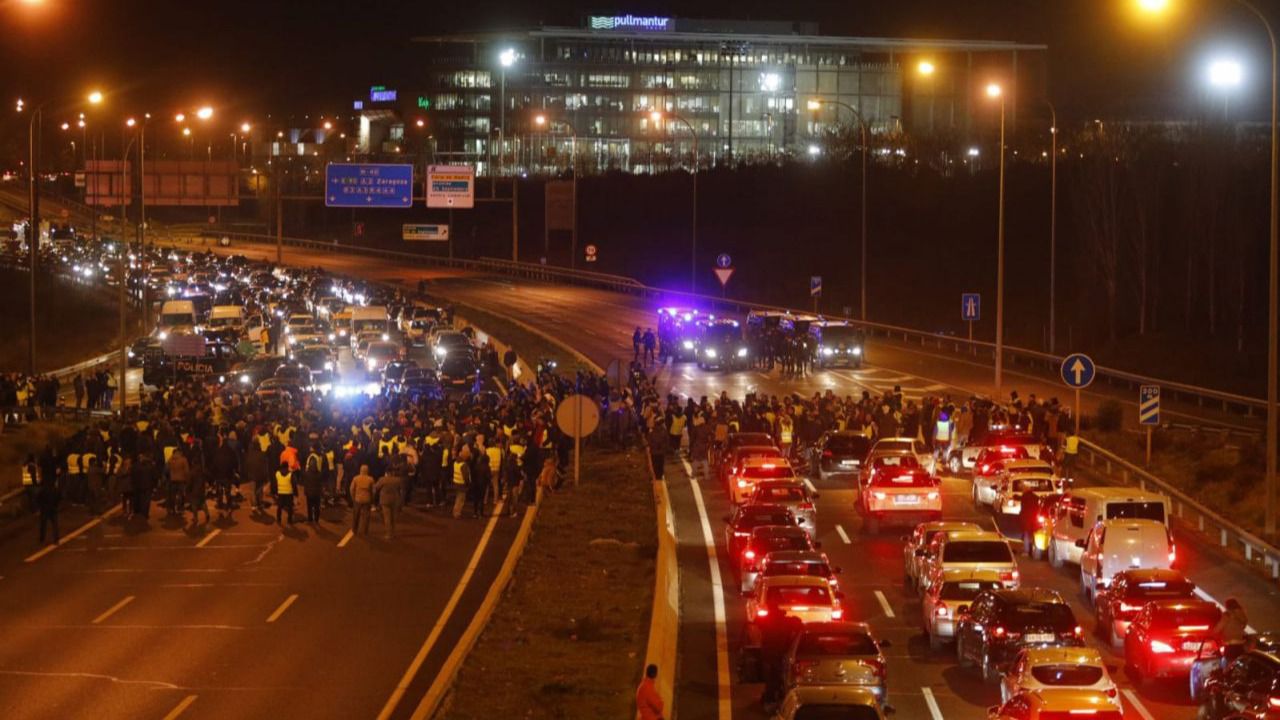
[
  {"x": 839, "y": 344},
  {"x": 160, "y": 368},
  {"x": 1075, "y": 516}
]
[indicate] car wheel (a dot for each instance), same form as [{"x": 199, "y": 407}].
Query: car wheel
[
  {"x": 989, "y": 671},
  {"x": 954, "y": 465}
]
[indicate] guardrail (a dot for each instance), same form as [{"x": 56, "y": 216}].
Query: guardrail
[
  {"x": 1013, "y": 356},
  {"x": 1215, "y": 527}
]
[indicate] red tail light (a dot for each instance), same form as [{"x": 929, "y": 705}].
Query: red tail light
[
  {"x": 837, "y": 614},
  {"x": 1160, "y": 647},
  {"x": 827, "y": 454},
  {"x": 1009, "y": 576},
  {"x": 749, "y": 554},
  {"x": 998, "y": 631},
  {"x": 1111, "y": 692},
  {"x": 762, "y": 612},
  {"x": 942, "y": 611},
  {"x": 1208, "y": 649},
  {"x": 806, "y": 506},
  {"x": 1274, "y": 703},
  {"x": 1079, "y": 631},
  {"x": 1041, "y": 520}
]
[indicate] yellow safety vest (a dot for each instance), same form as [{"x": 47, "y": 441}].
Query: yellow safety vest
[
  {"x": 458, "y": 478},
  {"x": 86, "y": 460},
  {"x": 284, "y": 483},
  {"x": 785, "y": 432},
  {"x": 677, "y": 424},
  {"x": 1073, "y": 444},
  {"x": 385, "y": 447},
  {"x": 73, "y": 464},
  {"x": 168, "y": 451},
  {"x": 28, "y": 477},
  {"x": 264, "y": 442},
  {"x": 444, "y": 458},
  {"x": 495, "y": 458}
]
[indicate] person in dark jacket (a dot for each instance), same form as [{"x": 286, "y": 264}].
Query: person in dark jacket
[
  {"x": 48, "y": 498},
  {"x": 198, "y": 490},
  {"x": 1030, "y": 517},
  {"x": 481, "y": 476},
  {"x": 313, "y": 486},
  {"x": 145, "y": 476}
]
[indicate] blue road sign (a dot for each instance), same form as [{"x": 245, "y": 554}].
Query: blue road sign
[
  {"x": 815, "y": 286},
  {"x": 724, "y": 261},
  {"x": 372, "y": 185},
  {"x": 1149, "y": 405},
  {"x": 970, "y": 307},
  {"x": 1077, "y": 370}
]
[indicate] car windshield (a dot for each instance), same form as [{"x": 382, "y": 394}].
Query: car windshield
[
  {"x": 839, "y": 334},
  {"x": 780, "y": 494},
  {"x": 848, "y": 444},
  {"x": 797, "y": 567},
  {"x": 965, "y": 589},
  {"x": 837, "y": 712},
  {"x": 771, "y": 518},
  {"x": 1136, "y": 510},
  {"x": 782, "y": 542},
  {"x": 1186, "y": 618},
  {"x": 1039, "y": 614},
  {"x": 458, "y": 365},
  {"x": 723, "y": 334},
  {"x": 851, "y": 643},
  {"x": 897, "y": 462},
  {"x": 977, "y": 551},
  {"x": 798, "y": 595},
  {"x": 768, "y": 472},
  {"x": 1067, "y": 674},
  {"x": 894, "y": 445},
  {"x": 1034, "y": 484}
]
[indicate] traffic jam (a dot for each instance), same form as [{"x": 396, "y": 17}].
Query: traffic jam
[{"x": 817, "y": 658}]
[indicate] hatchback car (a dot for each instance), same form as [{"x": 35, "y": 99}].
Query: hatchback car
[
  {"x": 899, "y": 498},
  {"x": 794, "y": 495},
  {"x": 765, "y": 539},
  {"x": 808, "y": 598},
  {"x": 1045, "y": 668},
  {"x": 1129, "y": 592},
  {"x": 840, "y": 453},
  {"x": 999, "y": 624},
  {"x": 799, "y": 562},
  {"x": 824, "y": 702},
  {"x": 1165, "y": 638},
  {"x": 836, "y": 654},
  {"x": 947, "y": 592},
  {"x": 743, "y": 520}
]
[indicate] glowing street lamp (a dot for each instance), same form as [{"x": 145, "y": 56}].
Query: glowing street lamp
[
  {"x": 204, "y": 113},
  {"x": 507, "y": 57},
  {"x": 95, "y": 98},
  {"x": 180, "y": 117},
  {"x": 66, "y": 126},
  {"x": 130, "y": 122},
  {"x": 995, "y": 92},
  {"x": 815, "y": 104},
  {"x": 1153, "y": 6},
  {"x": 186, "y": 132},
  {"x": 1225, "y": 73},
  {"x": 925, "y": 68},
  {"x": 245, "y": 127},
  {"x": 328, "y": 125}
]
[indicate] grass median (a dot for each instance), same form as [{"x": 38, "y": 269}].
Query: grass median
[{"x": 568, "y": 639}]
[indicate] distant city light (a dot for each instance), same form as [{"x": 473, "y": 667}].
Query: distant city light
[
  {"x": 245, "y": 127},
  {"x": 186, "y": 132},
  {"x": 204, "y": 113},
  {"x": 973, "y": 152},
  {"x": 66, "y": 126},
  {"x": 1153, "y": 6},
  {"x": 420, "y": 122},
  {"x": 814, "y": 150},
  {"x": 95, "y": 97},
  {"x": 180, "y": 117},
  {"x": 130, "y": 122},
  {"x": 994, "y": 90},
  {"x": 328, "y": 125},
  {"x": 1225, "y": 73},
  {"x": 507, "y": 57},
  {"x": 770, "y": 81}
]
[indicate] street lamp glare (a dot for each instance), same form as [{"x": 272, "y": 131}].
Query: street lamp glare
[
  {"x": 66, "y": 126},
  {"x": 130, "y": 122},
  {"x": 925, "y": 68},
  {"x": 95, "y": 97},
  {"x": 994, "y": 90},
  {"x": 204, "y": 113},
  {"x": 540, "y": 120},
  {"x": 507, "y": 57},
  {"x": 1153, "y": 6},
  {"x": 80, "y": 123},
  {"x": 245, "y": 127},
  {"x": 420, "y": 122},
  {"x": 328, "y": 125},
  {"x": 814, "y": 104},
  {"x": 186, "y": 132},
  {"x": 655, "y": 115},
  {"x": 1225, "y": 73},
  {"x": 180, "y": 118}
]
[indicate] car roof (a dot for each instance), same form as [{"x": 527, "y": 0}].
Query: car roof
[
  {"x": 949, "y": 526},
  {"x": 836, "y": 628},
  {"x": 1112, "y": 492},
  {"x": 808, "y": 556},
  {"x": 1012, "y": 465},
  {"x": 756, "y": 461},
  {"x": 1064, "y": 655},
  {"x": 972, "y": 536},
  {"x": 1136, "y": 523},
  {"x": 1154, "y": 574},
  {"x": 961, "y": 574},
  {"x": 779, "y": 531},
  {"x": 762, "y": 509}
]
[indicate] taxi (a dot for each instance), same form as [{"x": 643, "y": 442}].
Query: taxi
[
  {"x": 989, "y": 468},
  {"x": 809, "y": 598},
  {"x": 1055, "y": 704},
  {"x": 1008, "y": 500},
  {"x": 947, "y": 591},
  {"x": 983, "y": 550},
  {"x": 757, "y": 469},
  {"x": 899, "y": 498},
  {"x": 1056, "y": 668},
  {"x": 915, "y": 549},
  {"x": 722, "y": 455},
  {"x": 732, "y": 466}
]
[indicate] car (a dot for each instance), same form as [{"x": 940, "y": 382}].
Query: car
[
  {"x": 458, "y": 371},
  {"x": 904, "y": 444},
  {"x": 446, "y": 342},
  {"x": 792, "y": 494},
  {"x": 946, "y": 593},
  {"x": 733, "y": 465},
  {"x": 799, "y": 562},
  {"x": 987, "y": 471},
  {"x": 899, "y": 498},
  {"x": 278, "y": 389},
  {"x": 378, "y": 355},
  {"x": 839, "y": 344},
  {"x": 732, "y": 442},
  {"x": 322, "y": 362},
  {"x": 836, "y": 654},
  {"x": 394, "y": 370},
  {"x": 1058, "y": 704},
  {"x": 763, "y": 540},
  {"x": 1248, "y": 686},
  {"x": 418, "y": 324},
  {"x": 817, "y": 702},
  {"x": 998, "y": 624},
  {"x": 1075, "y": 515},
  {"x": 984, "y": 550},
  {"x": 1080, "y": 668},
  {"x": 965, "y": 458},
  {"x": 1115, "y": 545},
  {"x": 916, "y": 546},
  {"x": 895, "y": 462},
  {"x": 840, "y": 453},
  {"x": 756, "y": 469},
  {"x": 744, "y": 519},
  {"x": 1129, "y": 592},
  {"x": 1165, "y": 638},
  {"x": 1010, "y": 488},
  {"x": 296, "y": 374},
  {"x": 811, "y": 599},
  {"x": 718, "y": 345},
  {"x": 250, "y": 373}
]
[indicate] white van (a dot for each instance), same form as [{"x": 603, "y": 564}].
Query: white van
[
  {"x": 1077, "y": 513},
  {"x": 227, "y": 317},
  {"x": 371, "y": 317},
  {"x": 176, "y": 315},
  {"x": 1117, "y": 545}
]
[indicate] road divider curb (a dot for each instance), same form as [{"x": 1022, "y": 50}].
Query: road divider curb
[{"x": 664, "y": 618}]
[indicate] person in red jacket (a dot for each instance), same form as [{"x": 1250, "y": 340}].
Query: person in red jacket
[{"x": 648, "y": 702}]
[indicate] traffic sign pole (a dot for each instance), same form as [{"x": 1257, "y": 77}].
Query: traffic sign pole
[{"x": 1149, "y": 429}]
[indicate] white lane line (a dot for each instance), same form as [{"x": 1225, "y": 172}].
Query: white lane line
[
  {"x": 724, "y": 700},
  {"x": 934, "y": 711},
  {"x": 430, "y": 642},
  {"x": 73, "y": 535},
  {"x": 113, "y": 609},
  {"x": 1141, "y": 709},
  {"x": 283, "y": 606},
  {"x": 884, "y": 604},
  {"x": 346, "y": 538},
  {"x": 844, "y": 536},
  {"x": 1209, "y": 598},
  {"x": 181, "y": 707},
  {"x": 809, "y": 485},
  {"x": 205, "y": 540}
]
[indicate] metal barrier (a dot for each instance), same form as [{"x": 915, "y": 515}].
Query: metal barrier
[
  {"x": 1192, "y": 514},
  {"x": 1013, "y": 356}
]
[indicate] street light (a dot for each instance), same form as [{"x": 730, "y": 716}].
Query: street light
[
  {"x": 180, "y": 117},
  {"x": 814, "y": 105},
  {"x": 506, "y": 59},
  {"x": 657, "y": 116},
  {"x": 95, "y": 98},
  {"x": 925, "y": 68},
  {"x": 245, "y": 128},
  {"x": 1273, "y": 272},
  {"x": 204, "y": 113},
  {"x": 995, "y": 92},
  {"x": 1225, "y": 73},
  {"x": 541, "y": 121}
]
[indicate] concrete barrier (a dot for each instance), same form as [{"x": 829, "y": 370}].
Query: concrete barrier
[{"x": 664, "y": 620}]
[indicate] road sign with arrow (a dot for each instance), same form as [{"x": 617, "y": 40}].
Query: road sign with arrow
[{"x": 1077, "y": 370}]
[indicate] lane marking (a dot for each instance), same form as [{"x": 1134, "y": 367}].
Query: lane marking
[
  {"x": 809, "y": 485},
  {"x": 205, "y": 540},
  {"x": 181, "y": 707},
  {"x": 884, "y": 604},
  {"x": 113, "y": 609},
  {"x": 421, "y": 657},
  {"x": 73, "y": 535},
  {"x": 283, "y": 606},
  {"x": 724, "y": 700},
  {"x": 844, "y": 536},
  {"x": 934, "y": 711},
  {"x": 1199, "y": 591},
  {"x": 1137, "y": 704},
  {"x": 346, "y": 538}
]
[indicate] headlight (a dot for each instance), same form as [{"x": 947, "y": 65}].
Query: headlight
[
  {"x": 828, "y": 351},
  {"x": 164, "y": 335},
  {"x": 244, "y": 378},
  {"x": 687, "y": 344},
  {"x": 293, "y": 341},
  {"x": 371, "y": 363},
  {"x": 222, "y": 378},
  {"x": 441, "y": 352},
  {"x": 130, "y": 353},
  {"x": 711, "y": 352},
  {"x": 385, "y": 337},
  {"x": 332, "y": 337},
  {"x": 328, "y": 365},
  {"x": 288, "y": 330},
  {"x": 856, "y": 351},
  {"x": 742, "y": 352},
  {"x": 343, "y": 333},
  {"x": 169, "y": 291}
]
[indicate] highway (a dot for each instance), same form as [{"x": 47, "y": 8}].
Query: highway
[{"x": 922, "y": 684}]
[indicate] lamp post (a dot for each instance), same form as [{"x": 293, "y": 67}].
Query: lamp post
[
  {"x": 1273, "y": 273},
  {"x": 541, "y": 120},
  {"x": 123, "y": 280},
  {"x": 1053, "y": 221},
  {"x": 862, "y": 128},
  {"x": 656, "y": 116},
  {"x": 506, "y": 59},
  {"x": 995, "y": 92}
]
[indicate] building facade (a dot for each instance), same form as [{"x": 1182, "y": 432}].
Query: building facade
[{"x": 737, "y": 91}]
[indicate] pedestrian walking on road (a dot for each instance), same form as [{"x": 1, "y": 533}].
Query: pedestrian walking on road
[
  {"x": 283, "y": 489},
  {"x": 48, "y": 499},
  {"x": 361, "y": 500},
  {"x": 461, "y": 480},
  {"x": 313, "y": 486},
  {"x": 198, "y": 493},
  {"x": 390, "y": 491},
  {"x": 648, "y": 702},
  {"x": 179, "y": 475}
]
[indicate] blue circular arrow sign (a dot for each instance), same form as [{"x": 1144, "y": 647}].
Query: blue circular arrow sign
[
  {"x": 1077, "y": 370},
  {"x": 724, "y": 261}
]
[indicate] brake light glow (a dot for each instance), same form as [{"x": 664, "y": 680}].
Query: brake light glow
[
  {"x": 827, "y": 453},
  {"x": 837, "y": 614},
  {"x": 942, "y": 611},
  {"x": 806, "y": 506},
  {"x": 768, "y": 466},
  {"x": 762, "y": 612},
  {"x": 998, "y": 631},
  {"x": 1009, "y": 575},
  {"x": 879, "y": 495},
  {"x": 1160, "y": 647},
  {"x": 985, "y": 468},
  {"x": 1192, "y": 628},
  {"x": 1079, "y": 631},
  {"x": 1040, "y": 520},
  {"x": 1274, "y": 702},
  {"x": 742, "y": 483}
]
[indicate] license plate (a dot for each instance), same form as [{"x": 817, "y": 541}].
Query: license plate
[
  {"x": 848, "y": 463},
  {"x": 1039, "y": 637},
  {"x": 1190, "y": 645},
  {"x": 906, "y": 499}
]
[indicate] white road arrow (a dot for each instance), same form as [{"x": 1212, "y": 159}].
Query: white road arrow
[{"x": 1077, "y": 368}]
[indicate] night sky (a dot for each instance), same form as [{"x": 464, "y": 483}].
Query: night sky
[{"x": 250, "y": 57}]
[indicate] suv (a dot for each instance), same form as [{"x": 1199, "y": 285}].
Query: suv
[{"x": 992, "y": 630}]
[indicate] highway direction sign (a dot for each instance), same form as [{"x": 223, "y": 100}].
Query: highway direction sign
[
  {"x": 970, "y": 307},
  {"x": 1149, "y": 405},
  {"x": 451, "y": 186},
  {"x": 426, "y": 232},
  {"x": 376, "y": 185},
  {"x": 1077, "y": 370}
]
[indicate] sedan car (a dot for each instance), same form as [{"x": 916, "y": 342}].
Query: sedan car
[
  {"x": 733, "y": 441},
  {"x": 1165, "y": 638},
  {"x": 808, "y": 598},
  {"x": 840, "y": 453},
  {"x": 844, "y": 703},
  {"x": 948, "y": 591},
  {"x": 916, "y": 546},
  {"x": 1079, "y": 668},
  {"x": 799, "y": 562},
  {"x": 795, "y": 496},
  {"x": 999, "y": 624},
  {"x": 766, "y": 539},
  {"x": 899, "y": 498},
  {"x": 1129, "y": 592},
  {"x": 731, "y": 467},
  {"x": 746, "y": 518},
  {"x": 838, "y": 653}
]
